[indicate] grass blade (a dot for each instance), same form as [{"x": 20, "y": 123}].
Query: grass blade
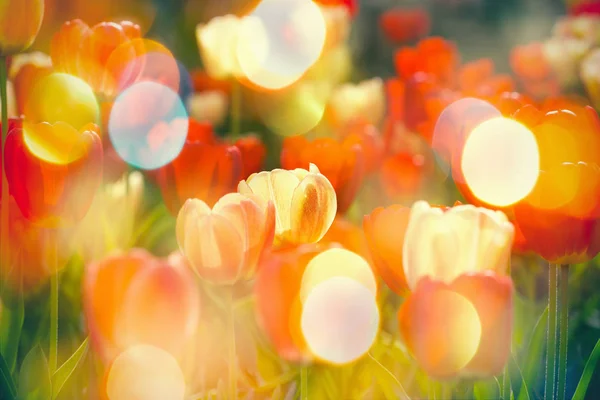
[
  {"x": 65, "y": 371},
  {"x": 588, "y": 371}
]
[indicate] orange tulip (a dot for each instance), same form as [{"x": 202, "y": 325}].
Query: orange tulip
[
  {"x": 20, "y": 22},
  {"x": 134, "y": 298},
  {"x": 225, "y": 245},
  {"x": 25, "y": 80},
  {"x": 560, "y": 219},
  {"x": 451, "y": 325},
  {"x": 533, "y": 70},
  {"x": 84, "y": 51},
  {"x": 348, "y": 235},
  {"x": 384, "y": 230},
  {"x": 435, "y": 56},
  {"x": 53, "y": 171},
  {"x": 278, "y": 306},
  {"x": 305, "y": 202},
  {"x": 402, "y": 175},
  {"x": 368, "y": 137},
  {"x": 204, "y": 169},
  {"x": 459, "y": 329},
  {"x": 342, "y": 163}
]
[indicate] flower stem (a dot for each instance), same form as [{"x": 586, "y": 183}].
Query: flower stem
[
  {"x": 4, "y": 247},
  {"x": 564, "y": 331},
  {"x": 506, "y": 384},
  {"x": 551, "y": 340},
  {"x": 304, "y": 382},
  {"x": 53, "y": 354},
  {"x": 236, "y": 108},
  {"x": 232, "y": 350}
]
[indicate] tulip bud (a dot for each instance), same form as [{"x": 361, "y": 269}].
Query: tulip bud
[
  {"x": 305, "y": 202},
  {"x": 217, "y": 41},
  {"x": 20, "y": 22},
  {"x": 225, "y": 244}
]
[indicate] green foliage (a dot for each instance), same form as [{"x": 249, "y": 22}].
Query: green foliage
[{"x": 34, "y": 376}]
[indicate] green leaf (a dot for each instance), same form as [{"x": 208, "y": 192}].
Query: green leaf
[
  {"x": 7, "y": 384},
  {"x": 11, "y": 323},
  {"x": 390, "y": 386},
  {"x": 486, "y": 390},
  {"x": 535, "y": 352},
  {"x": 34, "y": 377},
  {"x": 588, "y": 371},
  {"x": 61, "y": 375},
  {"x": 524, "y": 392}
]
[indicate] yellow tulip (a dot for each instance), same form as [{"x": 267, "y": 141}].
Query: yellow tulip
[
  {"x": 20, "y": 22},
  {"x": 464, "y": 239},
  {"x": 305, "y": 202}
]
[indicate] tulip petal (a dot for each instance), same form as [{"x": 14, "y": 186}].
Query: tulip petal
[{"x": 313, "y": 209}]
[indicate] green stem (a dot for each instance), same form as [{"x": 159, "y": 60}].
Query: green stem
[
  {"x": 446, "y": 391},
  {"x": 552, "y": 323},
  {"x": 4, "y": 246},
  {"x": 564, "y": 331},
  {"x": 304, "y": 382},
  {"x": 53, "y": 355},
  {"x": 236, "y": 108},
  {"x": 232, "y": 350}
]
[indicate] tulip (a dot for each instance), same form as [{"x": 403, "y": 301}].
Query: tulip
[
  {"x": 53, "y": 171},
  {"x": 430, "y": 230},
  {"x": 402, "y": 175},
  {"x": 204, "y": 169},
  {"x": 209, "y": 106},
  {"x": 365, "y": 100},
  {"x": 531, "y": 66},
  {"x": 217, "y": 42},
  {"x": 253, "y": 152},
  {"x": 565, "y": 55},
  {"x": 368, "y": 137},
  {"x": 136, "y": 299},
  {"x": 342, "y": 163},
  {"x": 462, "y": 328},
  {"x": 305, "y": 202},
  {"x": 35, "y": 253},
  {"x": 450, "y": 323},
  {"x": 403, "y": 25},
  {"x": 225, "y": 245},
  {"x": 384, "y": 231},
  {"x": 560, "y": 219},
  {"x": 26, "y": 71},
  {"x": 433, "y": 56},
  {"x": 85, "y": 52},
  {"x": 349, "y": 236},
  {"x": 20, "y": 22},
  {"x": 278, "y": 306}
]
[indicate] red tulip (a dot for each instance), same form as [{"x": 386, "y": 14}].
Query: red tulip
[
  {"x": 352, "y": 5},
  {"x": 253, "y": 152},
  {"x": 368, "y": 137},
  {"x": 403, "y": 174},
  {"x": 205, "y": 169},
  {"x": 403, "y": 25},
  {"x": 53, "y": 186}
]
